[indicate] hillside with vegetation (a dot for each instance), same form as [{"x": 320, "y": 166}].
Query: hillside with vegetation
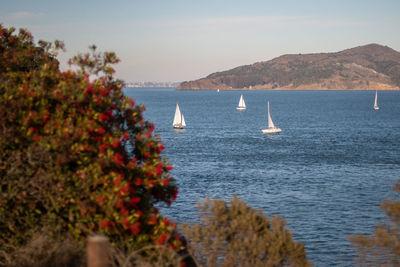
[{"x": 367, "y": 67}]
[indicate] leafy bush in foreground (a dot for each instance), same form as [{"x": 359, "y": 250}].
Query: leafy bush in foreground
[
  {"x": 76, "y": 155},
  {"x": 238, "y": 235}
]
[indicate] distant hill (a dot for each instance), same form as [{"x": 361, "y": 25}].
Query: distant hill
[{"x": 366, "y": 67}]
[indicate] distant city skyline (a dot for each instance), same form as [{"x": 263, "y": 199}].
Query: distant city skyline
[{"x": 180, "y": 40}]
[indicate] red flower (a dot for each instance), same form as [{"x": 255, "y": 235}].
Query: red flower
[
  {"x": 150, "y": 183},
  {"x": 131, "y": 164},
  {"x": 104, "y": 92},
  {"x": 100, "y": 200},
  {"x": 124, "y": 211},
  {"x": 125, "y": 222},
  {"x": 116, "y": 143},
  {"x": 169, "y": 168},
  {"x": 123, "y": 190},
  {"x": 104, "y": 117},
  {"x": 89, "y": 89},
  {"x": 105, "y": 224},
  {"x": 160, "y": 148},
  {"x": 159, "y": 168},
  {"x": 138, "y": 182},
  {"x": 165, "y": 182},
  {"x": 118, "y": 158},
  {"x": 118, "y": 180},
  {"x": 119, "y": 203},
  {"x": 100, "y": 130},
  {"x": 146, "y": 154},
  {"x": 103, "y": 148},
  {"x": 135, "y": 228},
  {"x": 125, "y": 136},
  {"x": 134, "y": 201},
  {"x": 162, "y": 238},
  {"x": 152, "y": 220},
  {"x": 166, "y": 221}
]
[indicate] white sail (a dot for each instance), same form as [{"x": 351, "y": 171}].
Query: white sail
[
  {"x": 376, "y": 101},
  {"x": 270, "y": 123},
  {"x": 183, "y": 121},
  {"x": 179, "y": 120},
  {"x": 177, "y": 117},
  {"x": 242, "y": 104},
  {"x": 271, "y": 129}
]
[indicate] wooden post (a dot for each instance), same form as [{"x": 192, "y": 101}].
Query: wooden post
[{"x": 98, "y": 253}]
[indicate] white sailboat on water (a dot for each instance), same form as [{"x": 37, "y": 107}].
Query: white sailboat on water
[
  {"x": 241, "y": 105},
  {"x": 179, "y": 120},
  {"x": 376, "y": 107},
  {"x": 271, "y": 127}
]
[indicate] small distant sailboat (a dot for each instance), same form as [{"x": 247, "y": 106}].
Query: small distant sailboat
[
  {"x": 376, "y": 107},
  {"x": 271, "y": 127},
  {"x": 179, "y": 120},
  {"x": 217, "y": 90},
  {"x": 242, "y": 105}
]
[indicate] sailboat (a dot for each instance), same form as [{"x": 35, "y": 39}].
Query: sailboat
[
  {"x": 271, "y": 127},
  {"x": 376, "y": 107},
  {"x": 179, "y": 120},
  {"x": 241, "y": 105}
]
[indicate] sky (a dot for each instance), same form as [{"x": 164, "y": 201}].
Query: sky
[{"x": 182, "y": 40}]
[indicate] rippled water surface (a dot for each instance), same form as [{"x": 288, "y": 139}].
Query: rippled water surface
[{"x": 326, "y": 173}]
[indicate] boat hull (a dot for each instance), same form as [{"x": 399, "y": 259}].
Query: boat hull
[
  {"x": 376, "y": 108},
  {"x": 240, "y": 108},
  {"x": 271, "y": 130},
  {"x": 178, "y": 126}
]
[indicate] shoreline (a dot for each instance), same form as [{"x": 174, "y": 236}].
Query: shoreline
[{"x": 286, "y": 89}]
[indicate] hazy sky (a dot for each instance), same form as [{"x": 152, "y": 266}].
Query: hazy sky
[{"x": 178, "y": 40}]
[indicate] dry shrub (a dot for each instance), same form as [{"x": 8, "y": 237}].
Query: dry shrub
[
  {"x": 238, "y": 235},
  {"x": 150, "y": 256},
  {"x": 44, "y": 251},
  {"x": 382, "y": 248}
]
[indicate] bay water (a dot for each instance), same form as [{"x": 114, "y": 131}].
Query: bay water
[{"x": 326, "y": 174}]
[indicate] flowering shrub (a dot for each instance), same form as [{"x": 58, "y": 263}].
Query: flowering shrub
[{"x": 76, "y": 155}]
